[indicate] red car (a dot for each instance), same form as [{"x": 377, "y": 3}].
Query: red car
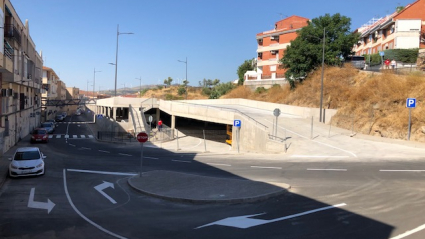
[{"x": 39, "y": 135}]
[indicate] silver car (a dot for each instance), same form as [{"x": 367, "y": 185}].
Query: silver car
[{"x": 49, "y": 126}]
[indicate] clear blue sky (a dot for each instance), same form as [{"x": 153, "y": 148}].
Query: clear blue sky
[{"x": 216, "y": 36}]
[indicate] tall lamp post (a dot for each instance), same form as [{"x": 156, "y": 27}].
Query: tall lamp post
[
  {"x": 323, "y": 68},
  {"x": 94, "y": 79},
  {"x": 87, "y": 88},
  {"x": 116, "y": 56},
  {"x": 185, "y": 62},
  {"x": 140, "y": 88}
]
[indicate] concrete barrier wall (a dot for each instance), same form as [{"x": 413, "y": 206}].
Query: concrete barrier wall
[
  {"x": 124, "y": 102},
  {"x": 304, "y": 112},
  {"x": 252, "y": 137},
  {"x": 204, "y": 113}
]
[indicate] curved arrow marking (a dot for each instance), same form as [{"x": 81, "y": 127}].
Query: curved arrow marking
[
  {"x": 103, "y": 186},
  {"x": 49, "y": 205}
]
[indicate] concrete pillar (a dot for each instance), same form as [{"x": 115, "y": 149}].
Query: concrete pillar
[
  {"x": 158, "y": 114},
  {"x": 114, "y": 113},
  {"x": 173, "y": 121}
]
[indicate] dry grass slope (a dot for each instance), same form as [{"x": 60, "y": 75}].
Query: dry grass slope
[{"x": 375, "y": 103}]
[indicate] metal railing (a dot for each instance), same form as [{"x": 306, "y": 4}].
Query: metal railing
[{"x": 11, "y": 31}]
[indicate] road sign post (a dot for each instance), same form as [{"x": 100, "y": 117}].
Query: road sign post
[
  {"x": 237, "y": 124},
  {"x": 142, "y": 137},
  {"x": 410, "y": 103},
  {"x": 276, "y": 112}
]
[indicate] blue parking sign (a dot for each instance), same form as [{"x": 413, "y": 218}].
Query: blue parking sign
[
  {"x": 237, "y": 123},
  {"x": 411, "y": 102}
]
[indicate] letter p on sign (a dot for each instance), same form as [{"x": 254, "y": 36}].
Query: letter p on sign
[{"x": 411, "y": 102}]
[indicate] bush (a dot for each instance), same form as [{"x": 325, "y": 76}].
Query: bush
[
  {"x": 206, "y": 91},
  {"x": 181, "y": 90},
  {"x": 260, "y": 90},
  {"x": 159, "y": 87},
  {"x": 402, "y": 55}
]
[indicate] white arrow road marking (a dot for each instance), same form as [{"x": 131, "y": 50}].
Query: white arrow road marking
[
  {"x": 244, "y": 222},
  {"x": 49, "y": 205},
  {"x": 105, "y": 185}
]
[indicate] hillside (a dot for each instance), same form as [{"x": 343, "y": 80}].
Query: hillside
[{"x": 373, "y": 103}]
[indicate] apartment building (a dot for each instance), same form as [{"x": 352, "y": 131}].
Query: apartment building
[
  {"x": 400, "y": 30},
  {"x": 20, "y": 78},
  {"x": 51, "y": 93},
  {"x": 270, "y": 49}
]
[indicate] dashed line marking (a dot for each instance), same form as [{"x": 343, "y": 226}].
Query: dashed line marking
[
  {"x": 125, "y": 154},
  {"x": 181, "y": 161},
  {"x": 327, "y": 169},
  {"x": 401, "y": 170},
  {"x": 219, "y": 164},
  {"x": 73, "y": 145},
  {"x": 83, "y": 136},
  {"x": 266, "y": 167},
  {"x": 85, "y": 148},
  {"x": 150, "y": 158},
  {"x": 103, "y": 151}
]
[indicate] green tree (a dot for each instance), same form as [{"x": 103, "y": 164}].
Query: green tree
[
  {"x": 168, "y": 81},
  {"x": 248, "y": 65},
  {"x": 305, "y": 52}
]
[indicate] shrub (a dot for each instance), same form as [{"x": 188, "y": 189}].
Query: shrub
[
  {"x": 181, "y": 90},
  {"x": 260, "y": 90}
]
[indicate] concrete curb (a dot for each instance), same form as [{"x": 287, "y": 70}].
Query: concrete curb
[{"x": 280, "y": 190}]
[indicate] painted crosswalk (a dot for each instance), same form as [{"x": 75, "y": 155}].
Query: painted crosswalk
[{"x": 66, "y": 136}]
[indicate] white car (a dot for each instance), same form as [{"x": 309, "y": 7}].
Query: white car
[{"x": 27, "y": 161}]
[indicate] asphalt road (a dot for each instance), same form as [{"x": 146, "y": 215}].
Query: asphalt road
[{"x": 347, "y": 198}]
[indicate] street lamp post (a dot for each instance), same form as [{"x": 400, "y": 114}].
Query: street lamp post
[
  {"x": 321, "y": 85},
  {"x": 185, "y": 62},
  {"x": 116, "y": 57},
  {"x": 94, "y": 79},
  {"x": 140, "y": 87},
  {"x": 87, "y": 88}
]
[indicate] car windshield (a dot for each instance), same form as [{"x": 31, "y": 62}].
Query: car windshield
[
  {"x": 39, "y": 131},
  {"x": 28, "y": 155}
]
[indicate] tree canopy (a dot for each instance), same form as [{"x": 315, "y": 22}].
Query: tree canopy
[
  {"x": 242, "y": 69},
  {"x": 305, "y": 52},
  {"x": 168, "y": 81}
]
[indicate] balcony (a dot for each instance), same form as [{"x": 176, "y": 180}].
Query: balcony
[{"x": 10, "y": 31}]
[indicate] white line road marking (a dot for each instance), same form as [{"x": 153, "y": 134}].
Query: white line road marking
[
  {"x": 83, "y": 136},
  {"x": 66, "y": 136},
  {"x": 72, "y": 145},
  {"x": 49, "y": 205},
  {"x": 125, "y": 154},
  {"x": 244, "y": 222},
  {"x": 408, "y": 233},
  {"x": 58, "y": 136},
  {"x": 81, "y": 215},
  {"x": 317, "y": 156},
  {"x": 220, "y": 164},
  {"x": 105, "y": 185},
  {"x": 149, "y": 158},
  {"x": 74, "y": 136},
  {"x": 180, "y": 161},
  {"x": 327, "y": 169},
  {"x": 50, "y": 136},
  {"x": 85, "y": 148},
  {"x": 401, "y": 170},
  {"x": 101, "y": 172},
  {"x": 266, "y": 167},
  {"x": 91, "y": 136},
  {"x": 103, "y": 151}
]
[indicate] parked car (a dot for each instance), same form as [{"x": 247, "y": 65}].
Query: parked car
[
  {"x": 49, "y": 126},
  {"x": 64, "y": 114},
  {"x": 27, "y": 161},
  {"x": 39, "y": 135},
  {"x": 59, "y": 118},
  {"x": 78, "y": 112},
  {"x": 51, "y": 120}
]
